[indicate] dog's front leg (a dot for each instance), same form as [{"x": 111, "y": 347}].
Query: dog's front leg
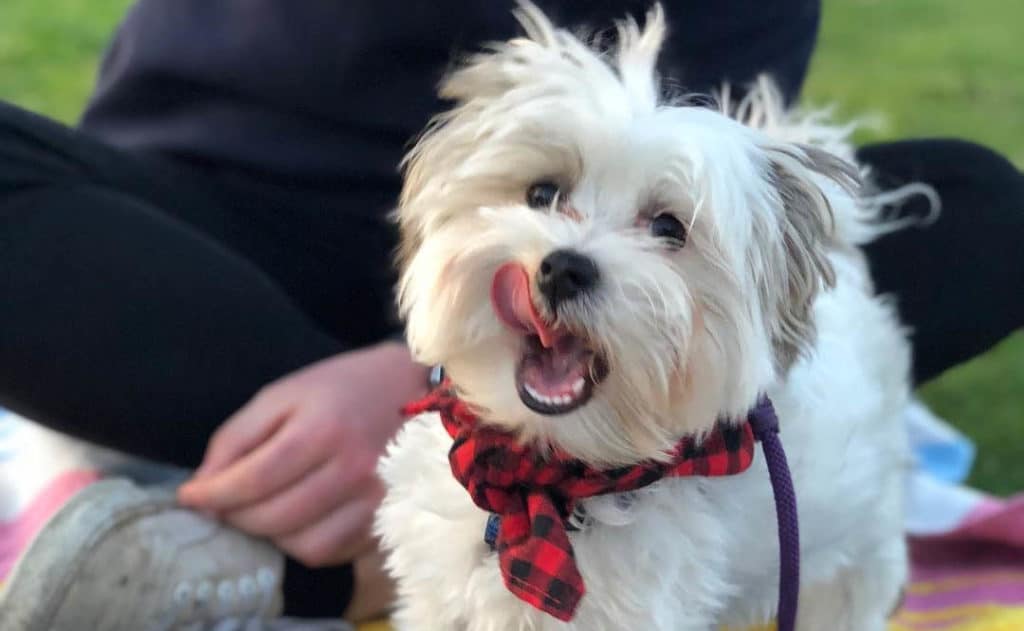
[
  {"x": 859, "y": 598},
  {"x": 429, "y": 529}
]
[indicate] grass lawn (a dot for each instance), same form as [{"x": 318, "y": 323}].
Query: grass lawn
[
  {"x": 928, "y": 67},
  {"x": 942, "y": 68}
]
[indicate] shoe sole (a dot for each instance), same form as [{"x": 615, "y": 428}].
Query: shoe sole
[{"x": 42, "y": 577}]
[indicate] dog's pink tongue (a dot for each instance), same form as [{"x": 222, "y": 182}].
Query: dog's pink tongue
[{"x": 513, "y": 304}]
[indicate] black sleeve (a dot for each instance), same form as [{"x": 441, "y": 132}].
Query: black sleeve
[{"x": 713, "y": 41}]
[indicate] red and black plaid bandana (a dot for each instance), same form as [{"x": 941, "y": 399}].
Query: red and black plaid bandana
[{"x": 534, "y": 495}]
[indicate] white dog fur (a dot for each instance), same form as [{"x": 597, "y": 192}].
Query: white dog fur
[{"x": 769, "y": 294}]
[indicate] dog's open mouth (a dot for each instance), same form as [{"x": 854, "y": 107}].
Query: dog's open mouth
[{"x": 559, "y": 368}]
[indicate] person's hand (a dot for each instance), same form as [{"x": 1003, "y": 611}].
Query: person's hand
[{"x": 297, "y": 464}]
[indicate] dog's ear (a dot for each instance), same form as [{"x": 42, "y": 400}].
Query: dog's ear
[{"x": 807, "y": 227}]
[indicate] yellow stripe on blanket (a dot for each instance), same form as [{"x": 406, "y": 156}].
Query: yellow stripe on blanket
[
  {"x": 963, "y": 618},
  {"x": 983, "y": 618}
]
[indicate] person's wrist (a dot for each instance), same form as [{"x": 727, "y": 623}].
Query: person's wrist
[{"x": 434, "y": 374}]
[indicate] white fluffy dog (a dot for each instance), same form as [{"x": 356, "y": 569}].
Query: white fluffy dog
[{"x": 603, "y": 270}]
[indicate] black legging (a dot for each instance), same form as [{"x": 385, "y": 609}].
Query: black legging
[
  {"x": 143, "y": 301},
  {"x": 959, "y": 283}
]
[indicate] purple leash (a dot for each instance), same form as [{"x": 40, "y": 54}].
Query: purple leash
[{"x": 765, "y": 424}]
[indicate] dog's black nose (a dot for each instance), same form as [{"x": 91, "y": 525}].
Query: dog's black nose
[{"x": 564, "y": 275}]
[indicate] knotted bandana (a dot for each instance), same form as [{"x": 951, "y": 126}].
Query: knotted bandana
[{"x": 533, "y": 494}]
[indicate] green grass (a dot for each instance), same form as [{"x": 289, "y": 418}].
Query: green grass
[
  {"x": 942, "y": 68},
  {"x": 928, "y": 67},
  {"x": 49, "y": 51}
]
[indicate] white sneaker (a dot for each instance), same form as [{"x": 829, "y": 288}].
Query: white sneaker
[{"x": 117, "y": 557}]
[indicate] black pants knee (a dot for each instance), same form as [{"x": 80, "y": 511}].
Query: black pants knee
[
  {"x": 959, "y": 282},
  {"x": 140, "y": 309}
]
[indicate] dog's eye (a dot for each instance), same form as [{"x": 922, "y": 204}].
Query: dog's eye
[
  {"x": 542, "y": 195},
  {"x": 666, "y": 226}
]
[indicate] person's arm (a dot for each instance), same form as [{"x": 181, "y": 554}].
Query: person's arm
[{"x": 714, "y": 41}]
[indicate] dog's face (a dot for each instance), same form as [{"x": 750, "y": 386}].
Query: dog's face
[{"x": 596, "y": 270}]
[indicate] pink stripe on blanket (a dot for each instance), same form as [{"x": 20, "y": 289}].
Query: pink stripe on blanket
[
  {"x": 16, "y": 534},
  {"x": 937, "y": 557},
  {"x": 981, "y": 562}
]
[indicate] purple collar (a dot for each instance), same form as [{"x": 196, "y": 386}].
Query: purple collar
[{"x": 765, "y": 424}]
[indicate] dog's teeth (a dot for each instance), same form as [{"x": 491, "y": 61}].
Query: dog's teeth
[
  {"x": 557, "y": 400},
  {"x": 533, "y": 393}
]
